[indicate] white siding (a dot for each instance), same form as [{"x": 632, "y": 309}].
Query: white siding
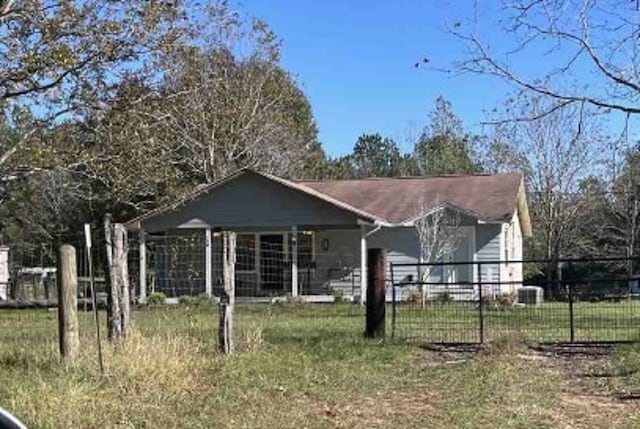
[
  {"x": 4, "y": 272},
  {"x": 512, "y": 239}
]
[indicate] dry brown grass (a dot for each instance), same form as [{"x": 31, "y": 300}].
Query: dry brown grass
[{"x": 292, "y": 370}]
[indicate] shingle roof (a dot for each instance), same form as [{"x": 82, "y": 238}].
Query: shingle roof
[
  {"x": 492, "y": 197},
  {"x": 396, "y": 200}
]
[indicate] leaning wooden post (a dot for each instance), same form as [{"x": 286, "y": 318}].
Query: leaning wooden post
[
  {"x": 227, "y": 300},
  {"x": 68, "y": 303},
  {"x": 376, "y": 293}
]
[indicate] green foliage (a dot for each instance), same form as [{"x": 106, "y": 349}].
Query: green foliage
[
  {"x": 156, "y": 299},
  {"x": 150, "y": 142},
  {"x": 187, "y": 300},
  {"x": 502, "y": 301},
  {"x": 198, "y": 300},
  {"x": 444, "y": 297},
  {"x": 375, "y": 156},
  {"x": 338, "y": 296},
  {"x": 444, "y": 148}
]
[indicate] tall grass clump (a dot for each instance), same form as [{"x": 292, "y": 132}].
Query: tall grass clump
[{"x": 148, "y": 379}]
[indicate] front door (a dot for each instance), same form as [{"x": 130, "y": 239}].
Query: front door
[{"x": 272, "y": 262}]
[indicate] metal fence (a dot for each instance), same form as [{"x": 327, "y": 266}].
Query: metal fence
[{"x": 582, "y": 301}]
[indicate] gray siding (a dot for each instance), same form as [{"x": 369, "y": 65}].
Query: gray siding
[
  {"x": 403, "y": 247},
  {"x": 339, "y": 266},
  {"x": 488, "y": 249},
  {"x": 250, "y": 200}
]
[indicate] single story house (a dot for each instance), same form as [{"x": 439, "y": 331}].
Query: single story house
[{"x": 310, "y": 237}]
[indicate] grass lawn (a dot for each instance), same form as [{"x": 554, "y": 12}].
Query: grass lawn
[{"x": 302, "y": 366}]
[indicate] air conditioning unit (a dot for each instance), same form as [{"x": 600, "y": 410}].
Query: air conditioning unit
[{"x": 530, "y": 295}]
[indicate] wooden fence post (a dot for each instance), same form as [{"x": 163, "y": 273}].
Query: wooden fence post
[
  {"x": 113, "y": 295},
  {"x": 227, "y": 300},
  {"x": 120, "y": 252},
  {"x": 118, "y": 300},
  {"x": 68, "y": 303},
  {"x": 376, "y": 293}
]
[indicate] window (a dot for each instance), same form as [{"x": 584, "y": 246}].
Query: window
[
  {"x": 246, "y": 252},
  {"x": 305, "y": 250}
]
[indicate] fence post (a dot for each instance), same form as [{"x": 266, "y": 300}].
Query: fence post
[
  {"x": 227, "y": 300},
  {"x": 114, "y": 327},
  {"x": 393, "y": 303},
  {"x": 118, "y": 300},
  {"x": 142, "y": 293},
  {"x": 480, "y": 303},
  {"x": 375, "y": 310},
  {"x": 68, "y": 303},
  {"x": 572, "y": 334},
  {"x": 120, "y": 258}
]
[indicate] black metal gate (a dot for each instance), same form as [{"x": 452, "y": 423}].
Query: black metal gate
[{"x": 572, "y": 300}]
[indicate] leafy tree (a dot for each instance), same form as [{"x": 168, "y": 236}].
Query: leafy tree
[
  {"x": 374, "y": 155},
  {"x": 444, "y": 147},
  {"x": 340, "y": 168},
  {"x": 63, "y": 59},
  {"x": 191, "y": 107}
]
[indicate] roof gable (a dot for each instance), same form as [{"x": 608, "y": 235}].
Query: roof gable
[{"x": 251, "y": 199}]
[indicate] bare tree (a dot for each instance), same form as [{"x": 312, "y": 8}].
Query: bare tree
[
  {"x": 438, "y": 231},
  {"x": 228, "y": 104},
  {"x": 556, "y": 152},
  {"x": 593, "y": 43}
]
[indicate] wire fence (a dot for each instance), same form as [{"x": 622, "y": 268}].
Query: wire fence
[
  {"x": 587, "y": 300},
  {"x": 176, "y": 266},
  {"x": 264, "y": 268},
  {"x": 582, "y": 300}
]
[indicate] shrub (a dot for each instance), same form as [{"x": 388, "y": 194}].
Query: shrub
[
  {"x": 187, "y": 300},
  {"x": 414, "y": 296},
  {"x": 204, "y": 299},
  {"x": 157, "y": 298},
  {"x": 507, "y": 344},
  {"x": 444, "y": 297},
  {"x": 501, "y": 301},
  {"x": 288, "y": 301},
  {"x": 338, "y": 295}
]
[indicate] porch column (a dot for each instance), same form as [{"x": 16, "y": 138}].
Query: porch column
[
  {"x": 142, "y": 294},
  {"x": 363, "y": 263},
  {"x": 294, "y": 261},
  {"x": 207, "y": 262}
]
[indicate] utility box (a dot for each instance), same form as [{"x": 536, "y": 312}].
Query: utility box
[
  {"x": 530, "y": 295},
  {"x": 4, "y": 273}
]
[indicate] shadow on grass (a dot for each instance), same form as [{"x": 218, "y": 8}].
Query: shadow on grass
[{"x": 21, "y": 360}]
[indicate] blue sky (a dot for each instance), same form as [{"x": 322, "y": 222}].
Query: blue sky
[{"x": 355, "y": 61}]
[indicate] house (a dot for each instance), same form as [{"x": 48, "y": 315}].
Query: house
[{"x": 309, "y": 237}]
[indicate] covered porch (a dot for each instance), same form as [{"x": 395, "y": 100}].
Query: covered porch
[{"x": 289, "y": 242}]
